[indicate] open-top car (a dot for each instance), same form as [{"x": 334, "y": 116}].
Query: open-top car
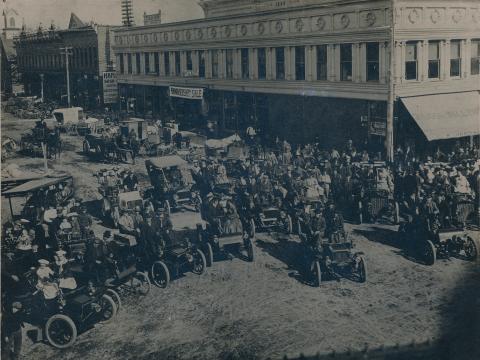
[
  {"x": 172, "y": 181},
  {"x": 273, "y": 219}
]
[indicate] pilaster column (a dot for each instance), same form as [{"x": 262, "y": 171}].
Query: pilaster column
[
  {"x": 363, "y": 61},
  {"x": 288, "y": 62},
  {"x": 161, "y": 61},
  {"x": 151, "y": 59},
  {"x": 444, "y": 59},
  {"x": 309, "y": 63},
  {"x": 383, "y": 65},
  {"x": 237, "y": 64},
  {"x": 208, "y": 64},
  {"x": 422, "y": 60},
  {"x": 337, "y": 62},
  {"x": 171, "y": 55},
  {"x": 466, "y": 54},
  {"x": 314, "y": 63},
  {"x": 195, "y": 66},
  {"x": 331, "y": 62},
  {"x": 270, "y": 53},
  {"x": 253, "y": 63}
]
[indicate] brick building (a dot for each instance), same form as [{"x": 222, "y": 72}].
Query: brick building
[
  {"x": 42, "y": 60},
  {"x": 304, "y": 69}
]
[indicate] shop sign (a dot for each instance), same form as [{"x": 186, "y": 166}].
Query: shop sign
[
  {"x": 110, "y": 87},
  {"x": 378, "y": 128},
  {"x": 186, "y": 93}
]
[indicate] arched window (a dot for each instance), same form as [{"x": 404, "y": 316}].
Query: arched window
[{"x": 12, "y": 22}]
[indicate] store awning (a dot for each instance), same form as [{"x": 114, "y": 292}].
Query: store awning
[{"x": 446, "y": 116}]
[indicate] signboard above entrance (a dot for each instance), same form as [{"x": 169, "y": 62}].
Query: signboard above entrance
[
  {"x": 110, "y": 87},
  {"x": 186, "y": 93}
]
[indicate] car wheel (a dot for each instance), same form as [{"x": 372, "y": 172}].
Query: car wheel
[
  {"x": 470, "y": 249},
  {"x": 317, "y": 274},
  {"x": 160, "y": 274},
  {"x": 140, "y": 283},
  {"x": 61, "y": 331},
  {"x": 199, "y": 262},
  {"x": 116, "y": 298},
  {"x": 108, "y": 311}
]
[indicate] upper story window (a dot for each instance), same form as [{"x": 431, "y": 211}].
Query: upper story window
[
  {"x": 178, "y": 69},
  {"x": 411, "y": 61},
  {"x": 280, "y": 63},
  {"x": 262, "y": 63},
  {"x": 156, "y": 61},
  {"x": 475, "y": 60},
  {"x": 455, "y": 58},
  {"x": 147, "y": 62},
  {"x": 12, "y": 22},
  {"x": 300, "y": 62},
  {"x": 229, "y": 63},
  {"x": 166, "y": 58},
  {"x": 188, "y": 55},
  {"x": 373, "y": 62},
  {"x": 129, "y": 63},
  {"x": 346, "y": 62},
  {"x": 137, "y": 63},
  {"x": 245, "y": 63},
  {"x": 433, "y": 59},
  {"x": 121, "y": 64},
  {"x": 322, "y": 62},
  {"x": 201, "y": 64},
  {"x": 215, "y": 63}
]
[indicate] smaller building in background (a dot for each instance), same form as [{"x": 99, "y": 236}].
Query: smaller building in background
[
  {"x": 42, "y": 62},
  {"x": 152, "y": 19},
  {"x": 11, "y": 23}
]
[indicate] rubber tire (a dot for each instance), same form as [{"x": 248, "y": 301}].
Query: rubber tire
[
  {"x": 204, "y": 263},
  {"x": 209, "y": 254},
  {"x": 86, "y": 147},
  {"x": 289, "y": 225},
  {"x": 112, "y": 303},
  {"x": 252, "y": 228},
  {"x": 67, "y": 320},
  {"x": 362, "y": 270},
  {"x": 145, "y": 280},
  {"x": 116, "y": 298},
  {"x": 317, "y": 274},
  {"x": 250, "y": 250},
  {"x": 166, "y": 272},
  {"x": 433, "y": 257},
  {"x": 474, "y": 246},
  {"x": 169, "y": 208},
  {"x": 396, "y": 216}
]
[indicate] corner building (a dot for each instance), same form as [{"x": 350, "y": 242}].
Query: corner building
[{"x": 311, "y": 69}]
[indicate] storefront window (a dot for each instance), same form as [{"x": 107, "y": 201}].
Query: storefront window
[
  {"x": 129, "y": 63},
  {"x": 280, "y": 63},
  {"x": 215, "y": 63},
  {"x": 189, "y": 61},
  {"x": 156, "y": 61},
  {"x": 245, "y": 64},
  {"x": 177, "y": 63},
  {"x": 201, "y": 64},
  {"x": 475, "y": 57},
  {"x": 455, "y": 58},
  {"x": 147, "y": 62},
  {"x": 373, "y": 62},
  {"x": 346, "y": 62},
  {"x": 262, "y": 63},
  {"x": 411, "y": 61},
  {"x": 137, "y": 63},
  {"x": 433, "y": 59},
  {"x": 322, "y": 62},
  {"x": 166, "y": 58},
  {"x": 229, "y": 63},
  {"x": 300, "y": 62}
]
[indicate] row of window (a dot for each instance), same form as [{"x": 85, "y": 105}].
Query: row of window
[
  {"x": 434, "y": 59},
  {"x": 80, "y": 58},
  {"x": 280, "y": 68}
]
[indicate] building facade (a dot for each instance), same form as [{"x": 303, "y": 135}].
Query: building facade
[
  {"x": 305, "y": 69},
  {"x": 42, "y": 62}
]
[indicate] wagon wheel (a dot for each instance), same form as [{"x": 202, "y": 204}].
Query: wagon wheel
[
  {"x": 108, "y": 310},
  {"x": 86, "y": 147},
  {"x": 209, "y": 254},
  {"x": 140, "y": 283},
  {"x": 317, "y": 273},
  {"x": 428, "y": 253},
  {"x": 199, "y": 262},
  {"x": 470, "y": 249},
  {"x": 115, "y": 297},
  {"x": 289, "y": 225},
  {"x": 362, "y": 270},
  {"x": 159, "y": 274},
  {"x": 250, "y": 250},
  {"x": 61, "y": 331}
]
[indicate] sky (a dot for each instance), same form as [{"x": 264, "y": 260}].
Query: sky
[{"x": 100, "y": 11}]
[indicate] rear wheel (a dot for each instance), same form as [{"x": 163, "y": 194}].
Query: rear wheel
[
  {"x": 199, "y": 262},
  {"x": 140, "y": 283},
  {"x": 116, "y": 298},
  {"x": 470, "y": 249},
  {"x": 108, "y": 310},
  {"x": 428, "y": 253},
  {"x": 160, "y": 274},
  {"x": 250, "y": 250},
  {"x": 317, "y": 274},
  {"x": 61, "y": 331},
  {"x": 209, "y": 254}
]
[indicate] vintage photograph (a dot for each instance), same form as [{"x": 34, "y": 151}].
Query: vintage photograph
[{"x": 240, "y": 179}]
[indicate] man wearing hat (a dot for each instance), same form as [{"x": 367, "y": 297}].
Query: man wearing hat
[{"x": 84, "y": 221}]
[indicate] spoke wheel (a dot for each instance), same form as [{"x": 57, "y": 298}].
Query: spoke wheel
[
  {"x": 160, "y": 274},
  {"x": 250, "y": 250},
  {"x": 140, "y": 283},
  {"x": 108, "y": 310},
  {"x": 429, "y": 254},
  {"x": 199, "y": 262},
  {"x": 317, "y": 274},
  {"x": 209, "y": 254},
  {"x": 61, "y": 331},
  {"x": 470, "y": 249},
  {"x": 115, "y": 297}
]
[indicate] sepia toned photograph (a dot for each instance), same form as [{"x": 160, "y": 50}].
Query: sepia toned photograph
[{"x": 240, "y": 179}]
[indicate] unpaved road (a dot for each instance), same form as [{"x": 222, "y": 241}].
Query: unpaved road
[{"x": 240, "y": 310}]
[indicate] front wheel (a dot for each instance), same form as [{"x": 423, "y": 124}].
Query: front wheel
[
  {"x": 116, "y": 298},
  {"x": 209, "y": 254},
  {"x": 428, "y": 253},
  {"x": 108, "y": 309},
  {"x": 317, "y": 274},
  {"x": 250, "y": 250},
  {"x": 470, "y": 249},
  {"x": 140, "y": 283},
  {"x": 199, "y": 262},
  {"x": 61, "y": 331},
  {"x": 160, "y": 274}
]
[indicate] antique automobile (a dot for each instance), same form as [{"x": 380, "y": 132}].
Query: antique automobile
[
  {"x": 429, "y": 239},
  {"x": 182, "y": 249},
  {"x": 105, "y": 147},
  {"x": 225, "y": 228},
  {"x": 273, "y": 219},
  {"x": 374, "y": 199},
  {"x": 115, "y": 204},
  {"x": 232, "y": 146},
  {"x": 332, "y": 256},
  {"x": 172, "y": 181},
  {"x": 63, "y": 313}
]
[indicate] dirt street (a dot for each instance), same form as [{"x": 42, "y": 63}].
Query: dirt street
[{"x": 240, "y": 310}]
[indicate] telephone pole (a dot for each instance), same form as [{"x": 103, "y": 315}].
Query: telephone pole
[
  {"x": 127, "y": 13},
  {"x": 391, "y": 89},
  {"x": 67, "y": 51}
]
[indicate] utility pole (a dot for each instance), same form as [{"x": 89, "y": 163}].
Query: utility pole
[
  {"x": 67, "y": 51},
  {"x": 127, "y": 13},
  {"x": 391, "y": 89}
]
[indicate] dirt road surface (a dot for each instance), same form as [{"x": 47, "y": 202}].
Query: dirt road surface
[{"x": 265, "y": 309}]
